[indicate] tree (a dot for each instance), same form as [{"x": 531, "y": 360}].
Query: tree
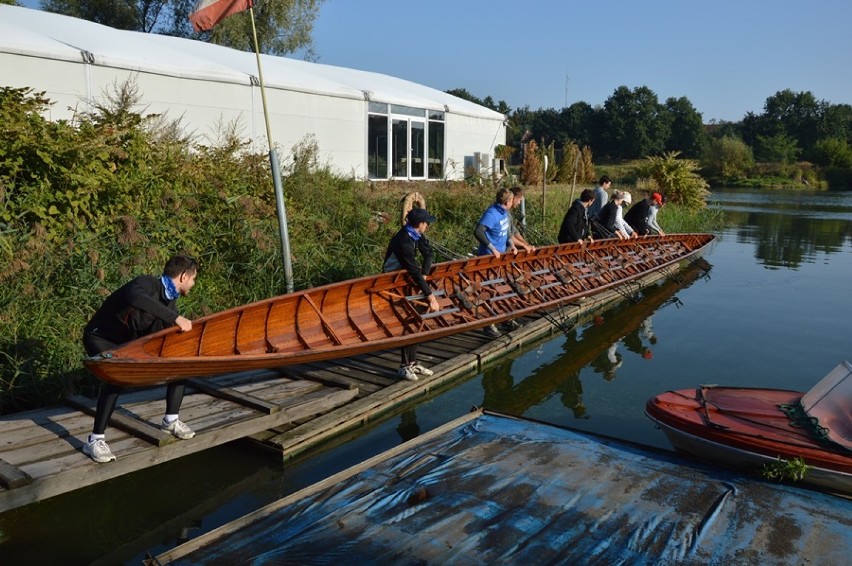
[
  {"x": 283, "y": 26},
  {"x": 779, "y": 148},
  {"x": 578, "y": 121},
  {"x": 686, "y": 133},
  {"x": 635, "y": 123},
  {"x": 832, "y": 152},
  {"x": 500, "y": 106},
  {"x": 728, "y": 158}
]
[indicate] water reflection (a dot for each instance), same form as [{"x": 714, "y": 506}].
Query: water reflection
[
  {"x": 595, "y": 345},
  {"x": 789, "y": 228}
]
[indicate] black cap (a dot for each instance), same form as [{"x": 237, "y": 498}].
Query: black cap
[{"x": 418, "y": 215}]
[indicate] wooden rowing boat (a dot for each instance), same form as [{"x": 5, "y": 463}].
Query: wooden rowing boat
[
  {"x": 746, "y": 427},
  {"x": 386, "y": 311}
]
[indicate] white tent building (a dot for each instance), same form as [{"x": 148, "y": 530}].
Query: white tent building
[{"x": 366, "y": 125}]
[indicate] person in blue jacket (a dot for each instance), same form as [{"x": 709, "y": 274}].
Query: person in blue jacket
[{"x": 493, "y": 231}]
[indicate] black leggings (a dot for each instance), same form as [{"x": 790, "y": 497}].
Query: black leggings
[{"x": 108, "y": 397}]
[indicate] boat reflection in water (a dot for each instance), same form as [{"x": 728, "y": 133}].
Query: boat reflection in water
[{"x": 594, "y": 346}]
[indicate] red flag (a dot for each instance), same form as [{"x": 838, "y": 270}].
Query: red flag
[{"x": 208, "y": 13}]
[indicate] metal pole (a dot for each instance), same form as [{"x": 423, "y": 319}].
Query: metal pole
[
  {"x": 543, "y": 179},
  {"x": 276, "y": 172}
]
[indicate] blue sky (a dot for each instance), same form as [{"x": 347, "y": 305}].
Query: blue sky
[{"x": 725, "y": 56}]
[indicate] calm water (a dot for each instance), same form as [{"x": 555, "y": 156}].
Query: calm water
[{"x": 774, "y": 311}]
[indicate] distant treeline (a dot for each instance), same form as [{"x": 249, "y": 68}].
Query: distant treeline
[{"x": 794, "y": 128}]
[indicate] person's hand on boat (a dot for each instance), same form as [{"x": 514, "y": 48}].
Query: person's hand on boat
[
  {"x": 433, "y": 303},
  {"x": 184, "y": 324}
]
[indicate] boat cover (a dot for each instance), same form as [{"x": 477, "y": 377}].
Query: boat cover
[
  {"x": 830, "y": 403},
  {"x": 493, "y": 489}
]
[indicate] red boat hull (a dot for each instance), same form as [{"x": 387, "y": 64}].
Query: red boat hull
[{"x": 746, "y": 427}]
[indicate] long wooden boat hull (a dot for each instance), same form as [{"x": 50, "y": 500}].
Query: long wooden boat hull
[
  {"x": 386, "y": 311},
  {"x": 746, "y": 428}
]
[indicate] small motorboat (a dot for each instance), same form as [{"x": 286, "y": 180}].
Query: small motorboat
[{"x": 755, "y": 427}]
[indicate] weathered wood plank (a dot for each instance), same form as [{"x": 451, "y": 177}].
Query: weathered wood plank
[
  {"x": 235, "y": 396},
  {"x": 12, "y": 477},
  {"x": 124, "y": 422}
]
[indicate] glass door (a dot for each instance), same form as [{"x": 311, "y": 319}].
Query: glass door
[{"x": 399, "y": 151}]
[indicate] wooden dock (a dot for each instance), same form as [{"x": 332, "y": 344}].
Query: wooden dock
[{"x": 288, "y": 410}]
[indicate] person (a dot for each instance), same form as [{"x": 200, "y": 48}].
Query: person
[
  {"x": 642, "y": 217},
  {"x": 402, "y": 254},
  {"x": 620, "y": 225},
  {"x": 140, "y": 307},
  {"x": 659, "y": 202},
  {"x": 575, "y": 224},
  {"x": 494, "y": 234},
  {"x": 605, "y": 224},
  {"x": 518, "y": 238},
  {"x": 600, "y": 197},
  {"x": 492, "y": 230}
]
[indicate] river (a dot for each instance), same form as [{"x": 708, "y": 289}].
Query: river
[{"x": 774, "y": 311}]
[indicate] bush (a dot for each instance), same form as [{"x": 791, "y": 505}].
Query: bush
[
  {"x": 139, "y": 193},
  {"x": 677, "y": 179}
]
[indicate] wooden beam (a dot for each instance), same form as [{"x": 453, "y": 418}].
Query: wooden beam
[
  {"x": 233, "y": 395},
  {"x": 130, "y": 425},
  {"x": 12, "y": 477}
]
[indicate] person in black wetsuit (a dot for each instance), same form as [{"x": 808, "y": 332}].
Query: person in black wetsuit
[
  {"x": 140, "y": 307},
  {"x": 402, "y": 254}
]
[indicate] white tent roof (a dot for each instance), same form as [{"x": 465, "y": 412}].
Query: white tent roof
[{"x": 35, "y": 33}]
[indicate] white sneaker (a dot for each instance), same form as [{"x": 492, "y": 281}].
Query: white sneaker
[
  {"x": 178, "y": 428},
  {"x": 407, "y": 373},
  {"x": 417, "y": 368},
  {"x": 98, "y": 450}
]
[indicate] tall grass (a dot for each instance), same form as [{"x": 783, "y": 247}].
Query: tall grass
[{"x": 149, "y": 194}]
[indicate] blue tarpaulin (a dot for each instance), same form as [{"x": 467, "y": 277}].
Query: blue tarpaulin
[{"x": 494, "y": 489}]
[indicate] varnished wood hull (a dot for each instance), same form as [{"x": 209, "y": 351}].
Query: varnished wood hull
[{"x": 385, "y": 311}]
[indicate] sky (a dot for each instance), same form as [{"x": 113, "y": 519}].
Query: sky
[{"x": 726, "y": 56}]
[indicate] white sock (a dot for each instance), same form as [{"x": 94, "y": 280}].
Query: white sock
[
  {"x": 169, "y": 419},
  {"x": 93, "y": 437}
]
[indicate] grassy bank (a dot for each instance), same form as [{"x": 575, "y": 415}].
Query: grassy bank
[{"x": 86, "y": 207}]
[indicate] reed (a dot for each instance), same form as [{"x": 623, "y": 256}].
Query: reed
[{"x": 139, "y": 194}]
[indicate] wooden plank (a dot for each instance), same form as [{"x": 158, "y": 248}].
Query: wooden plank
[
  {"x": 12, "y": 477},
  {"x": 137, "y": 428},
  {"x": 235, "y": 396}
]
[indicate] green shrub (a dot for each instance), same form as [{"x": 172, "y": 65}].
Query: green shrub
[{"x": 129, "y": 191}]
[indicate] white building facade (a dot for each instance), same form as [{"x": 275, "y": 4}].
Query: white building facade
[{"x": 366, "y": 125}]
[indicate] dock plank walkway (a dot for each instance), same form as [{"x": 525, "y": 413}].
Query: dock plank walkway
[{"x": 288, "y": 410}]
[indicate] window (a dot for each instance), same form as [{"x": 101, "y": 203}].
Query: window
[{"x": 404, "y": 142}]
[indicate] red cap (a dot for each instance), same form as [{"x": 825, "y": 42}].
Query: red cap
[{"x": 658, "y": 198}]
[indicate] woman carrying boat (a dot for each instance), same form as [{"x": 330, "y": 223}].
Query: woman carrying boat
[
  {"x": 605, "y": 226},
  {"x": 142, "y": 306},
  {"x": 402, "y": 254}
]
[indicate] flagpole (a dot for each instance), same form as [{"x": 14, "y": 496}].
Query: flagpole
[{"x": 276, "y": 171}]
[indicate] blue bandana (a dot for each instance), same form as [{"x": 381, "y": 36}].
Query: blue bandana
[
  {"x": 412, "y": 233},
  {"x": 169, "y": 285}
]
